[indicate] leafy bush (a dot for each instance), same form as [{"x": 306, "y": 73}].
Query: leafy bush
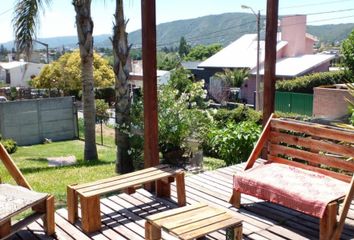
[
  {"x": 202, "y": 52},
  {"x": 174, "y": 122},
  {"x": 167, "y": 61},
  {"x": 108, "y": 94},
  {"x": 65, "y": 73},
  {"x": 305, "y": 84},
  {"x": 347, "y": 50},
  {"x": 181, "y": 80},
  {"x": 180, "y": 116},
  {"x": 351, "y": 115},
  {"x": 9, "y": 144},
  {"x": 101, "y": 110},
  {"x": 240, "y": 114},
  {"x": 233, "y": 143},
  {"x": 136, "y": 139}
]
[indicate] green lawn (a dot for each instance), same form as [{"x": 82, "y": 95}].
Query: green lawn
[
  {"x": 32, "y": 161},
  {"x": 33, "y": 164}
]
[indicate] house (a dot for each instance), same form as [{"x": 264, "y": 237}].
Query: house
[
  {"x": 18, "y": 73},
  {"x": 136, "y": 75},
  {"x": 295, "y": 55}
]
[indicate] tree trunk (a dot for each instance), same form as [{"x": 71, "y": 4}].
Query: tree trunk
[
  {"x": 84, "y": 26},
  {"x": 124, "y": 162}
]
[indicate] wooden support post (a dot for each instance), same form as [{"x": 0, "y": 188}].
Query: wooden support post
[
  {"x": 148, "y": 17},
  {"x": 5, "y": 229},
  {"x": 163, "y": 188},
  {"x": 181, "y": 189},
  {"x": 270, "y": 59},
  {"x": 49, "y": 218},
  {"x": 238, "y": 232},
  {"x": 152, "y": 232},
  {"x": 328, "y": 221},
  {"x": 235, "y": 199},
  {"x": 72, "y": 202},
  {"x": 90, "y": 213}
]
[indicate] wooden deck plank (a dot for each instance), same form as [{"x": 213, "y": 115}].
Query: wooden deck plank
[{"x": 123, "y": 216}]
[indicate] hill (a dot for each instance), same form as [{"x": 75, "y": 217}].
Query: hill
[
  {"x": 332, "y": 32},
  {"x": 223, "y": 28},
  {"x": 58, "y": 42}
]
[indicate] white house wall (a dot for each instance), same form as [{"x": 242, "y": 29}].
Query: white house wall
[{"x": 21, "y": 75}]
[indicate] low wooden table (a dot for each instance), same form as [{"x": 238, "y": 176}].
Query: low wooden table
[
  {"x": 89, "y": 193},
  {"x": 192, "y": 221}
]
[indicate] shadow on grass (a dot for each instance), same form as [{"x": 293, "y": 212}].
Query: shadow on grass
[{"x": 91, "y": 163}]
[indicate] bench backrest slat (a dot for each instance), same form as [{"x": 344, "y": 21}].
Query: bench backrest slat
[
  {"x": 314, "y": 129},
  {"x": 312, "y": 144},
  {"x": 339, "y": 176},
  {"x": 325, "y": 149}
]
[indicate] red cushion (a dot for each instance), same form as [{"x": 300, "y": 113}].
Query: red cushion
[{"x": 293, "y": 187}]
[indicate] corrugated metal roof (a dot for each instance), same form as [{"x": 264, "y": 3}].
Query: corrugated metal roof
[
  {"x": 240, "y": 54},
  {"x": 295, "y": 66}
]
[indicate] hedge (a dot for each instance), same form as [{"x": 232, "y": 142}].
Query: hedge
[{"x": 305, "y": 84}]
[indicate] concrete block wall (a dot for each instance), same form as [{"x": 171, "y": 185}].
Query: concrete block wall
[
  {"x": 31, "y": 121},
  {"x": 330, "y": 102}
]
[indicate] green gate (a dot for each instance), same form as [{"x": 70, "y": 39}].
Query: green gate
[{"x": 300, "y": 103}]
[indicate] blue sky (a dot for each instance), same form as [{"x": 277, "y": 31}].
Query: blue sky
[{"x": 58, "y": 20}]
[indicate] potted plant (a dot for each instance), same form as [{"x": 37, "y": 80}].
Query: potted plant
[{"x": 174, "y": 125}]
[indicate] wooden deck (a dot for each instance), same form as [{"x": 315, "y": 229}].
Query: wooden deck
[{"x": 123, "y": 215}]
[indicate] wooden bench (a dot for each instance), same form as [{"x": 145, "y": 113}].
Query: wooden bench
[
  {"x": 192, "y": 221},
  {"x": 90, "y": 193},
  {"x": 15, "y": 199},
  {"x": 312, "y": 157}
]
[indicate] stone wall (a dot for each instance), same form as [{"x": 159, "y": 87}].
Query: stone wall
[{"x": 329, "y": 102}]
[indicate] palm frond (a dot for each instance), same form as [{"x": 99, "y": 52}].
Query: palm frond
[{"x": 25, "y": 22}]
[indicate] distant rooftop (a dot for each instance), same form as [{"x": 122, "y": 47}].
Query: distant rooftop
[
  {"x": 295, "y": 66},
  {"x": 13, "y": 64},
  {"x": 240, "y": 54},
  {"x": 191, "y": 65}
]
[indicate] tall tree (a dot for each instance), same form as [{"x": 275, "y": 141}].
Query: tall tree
[
  {"x": 184, "y": 48},
  {"x": 84, "y": 25},
  {"x": 25, "y": 21},
  {"x": 121, "y": 49}
]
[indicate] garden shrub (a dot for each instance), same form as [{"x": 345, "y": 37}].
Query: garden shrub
[
  {"x": 108, "y": 94},
  {"x": 239, "y": 114},
  {"x": 233, "y": 143},
  {"x": 101, "y": 110},
  {"x": 136, "y": 139},
  {"x": 9, "y": 144},
  {"x": 305, "y": 84}
]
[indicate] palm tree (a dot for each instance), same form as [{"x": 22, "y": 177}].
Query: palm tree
[
  {"x": 25, "y": 21},
  {"x": 235, "y": 78},
  {"x": 84, "y": 25},
  {"x": 121, "y": 49}
]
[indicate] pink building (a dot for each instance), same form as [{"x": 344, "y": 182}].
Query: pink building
[{"x": 294, "y": 55}]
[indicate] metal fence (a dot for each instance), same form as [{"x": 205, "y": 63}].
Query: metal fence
[
  {"x": 32, "y": 121},
  {"x": 301, "y": 103}
]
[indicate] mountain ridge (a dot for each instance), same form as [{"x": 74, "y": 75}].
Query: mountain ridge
[{"x": 221, "y": 28}]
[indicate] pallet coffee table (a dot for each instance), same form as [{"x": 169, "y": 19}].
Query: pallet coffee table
[
  {"x": 89, "y": 193},
  {"x": 192, "y": 221}
]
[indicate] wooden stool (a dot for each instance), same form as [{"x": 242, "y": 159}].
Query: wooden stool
[
  {"x": 192, "y": 221},
  {"x": 89, "y": 193}
]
